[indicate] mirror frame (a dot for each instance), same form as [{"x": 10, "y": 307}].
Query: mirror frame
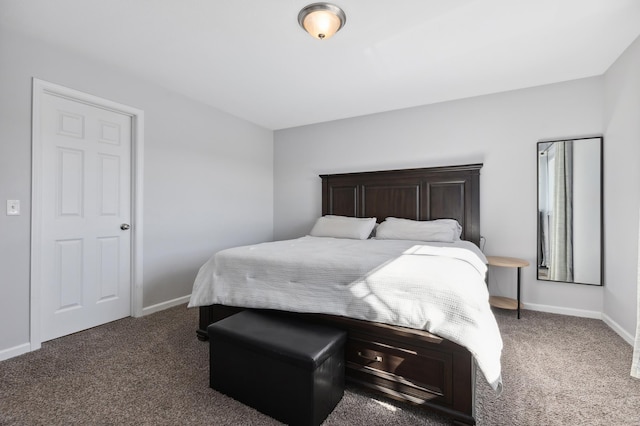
[{"x": 601, "y": 194}]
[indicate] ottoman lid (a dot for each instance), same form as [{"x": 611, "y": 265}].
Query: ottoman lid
[{"x": 305, "y": 344}]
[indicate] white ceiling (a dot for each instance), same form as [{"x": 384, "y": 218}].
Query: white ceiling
[{"x": 251, "y": 59}]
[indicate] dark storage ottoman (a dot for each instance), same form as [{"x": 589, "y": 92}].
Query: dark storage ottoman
[{"x": 290, "y": 370}]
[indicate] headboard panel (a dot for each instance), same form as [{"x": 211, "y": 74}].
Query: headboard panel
[{"x": 418, "y": 194}]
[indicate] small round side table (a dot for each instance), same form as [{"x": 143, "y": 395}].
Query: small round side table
[{"x": 507, "y": 262}]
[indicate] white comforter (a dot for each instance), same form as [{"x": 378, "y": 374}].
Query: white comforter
[{"x": 438, "y": 287}]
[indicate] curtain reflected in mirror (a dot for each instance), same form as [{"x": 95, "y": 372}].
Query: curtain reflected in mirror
[{"x": 570, "y": 211}]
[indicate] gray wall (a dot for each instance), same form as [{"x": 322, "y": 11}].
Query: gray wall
[
  {"x": 622, "y": 188},
  {"x": 197, "y": 159},
  {"x": 499, "y": 130}
]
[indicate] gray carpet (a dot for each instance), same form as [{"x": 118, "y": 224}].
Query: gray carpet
[{"x": 153, "y": 371}]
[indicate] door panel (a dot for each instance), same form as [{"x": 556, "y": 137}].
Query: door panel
[
  {"x": 86, "y": 189},
  {"x": 68, "y": 274}
]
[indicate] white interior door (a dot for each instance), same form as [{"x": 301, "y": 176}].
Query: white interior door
[{"x": 85, "y": 255}]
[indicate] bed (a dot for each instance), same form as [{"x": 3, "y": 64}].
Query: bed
[{"x": 402, "y": 362}]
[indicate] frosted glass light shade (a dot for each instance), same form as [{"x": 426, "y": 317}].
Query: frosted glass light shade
[{"x": 321, "y": 20}]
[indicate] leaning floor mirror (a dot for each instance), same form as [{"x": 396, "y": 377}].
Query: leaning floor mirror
[{"x": 570, "y": 243}]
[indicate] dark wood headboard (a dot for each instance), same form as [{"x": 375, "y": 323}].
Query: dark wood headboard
[{"x": 418, "y": 194}]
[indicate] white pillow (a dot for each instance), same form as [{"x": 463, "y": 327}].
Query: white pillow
[
  {"x": 343, "y": 227},
  {"x": 455, "y": 226},
  {"x": 441, "y": 230},
  {"x": 452, "y": 223}
]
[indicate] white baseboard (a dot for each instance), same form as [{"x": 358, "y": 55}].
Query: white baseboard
[
  {"x": 15, "y": 351},
  {"x": 564, "y": 311},
  {"x": 165, "y": 305},
  {"x": 618, "y": 329}
]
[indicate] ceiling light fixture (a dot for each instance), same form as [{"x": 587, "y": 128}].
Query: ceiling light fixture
[{"x": 321, "y": 20}]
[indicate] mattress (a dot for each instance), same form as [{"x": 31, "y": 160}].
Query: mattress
[{"x": 437, "y": 287}]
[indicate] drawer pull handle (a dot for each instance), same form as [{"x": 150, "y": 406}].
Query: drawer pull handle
[{"x": 376, "y": 358}]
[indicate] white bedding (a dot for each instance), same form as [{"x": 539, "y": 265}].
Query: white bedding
[{"x": 437, "y": 287}]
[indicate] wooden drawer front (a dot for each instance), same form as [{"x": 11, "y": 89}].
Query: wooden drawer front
[{"x": 424, "y": 374}]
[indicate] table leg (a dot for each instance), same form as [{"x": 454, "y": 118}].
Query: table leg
[{"x": 518, "y": 301}]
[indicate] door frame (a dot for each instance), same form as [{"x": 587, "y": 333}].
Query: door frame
[{"x": 40, "y": 88}]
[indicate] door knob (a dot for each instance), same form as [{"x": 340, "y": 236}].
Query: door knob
[{"x": 125, "y": 226}]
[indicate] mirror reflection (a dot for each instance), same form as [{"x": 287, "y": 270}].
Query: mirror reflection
[{"x": 570, "y": 211}]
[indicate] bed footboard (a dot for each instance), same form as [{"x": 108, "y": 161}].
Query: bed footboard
[{"x": 408, "y": 365}]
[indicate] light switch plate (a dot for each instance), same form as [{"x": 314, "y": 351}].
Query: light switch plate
[{"x": 13, "y": 207}]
